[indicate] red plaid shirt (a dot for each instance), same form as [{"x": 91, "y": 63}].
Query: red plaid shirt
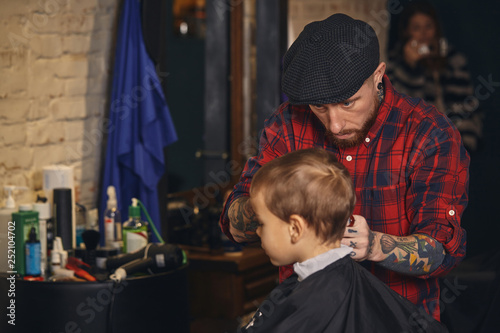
[{"x": 411, "y": 176}]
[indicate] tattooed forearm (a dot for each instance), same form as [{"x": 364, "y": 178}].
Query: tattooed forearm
[
  {"x": 412, "y": 255},
  {"x": 389, "y": 243},
  {"x": 243, "y": 222}
]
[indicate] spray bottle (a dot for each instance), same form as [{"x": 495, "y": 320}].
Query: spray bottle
[
  {"x": 135, "y": 231},
  {"x": 59, "y": 257},
  {"x": 112, "y": 220},
  {"x": 10, "y": 205},
  {"x": 46, "y": 225}
]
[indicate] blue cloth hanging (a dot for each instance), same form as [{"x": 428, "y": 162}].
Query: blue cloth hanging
[{"x": 139, "y": 125}]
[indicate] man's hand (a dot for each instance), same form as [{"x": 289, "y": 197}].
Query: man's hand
[
  {"x": 364, "y": 242},
  {"x": 416, "y": 254}
]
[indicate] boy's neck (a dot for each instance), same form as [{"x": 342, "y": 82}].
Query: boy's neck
[
  {"x": 317, "y": 249},
  {"x": 320, "y": 261}
]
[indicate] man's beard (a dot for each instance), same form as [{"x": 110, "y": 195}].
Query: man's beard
[{"x": 360, "y": 134}]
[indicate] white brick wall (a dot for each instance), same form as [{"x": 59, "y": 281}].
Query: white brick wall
[{"x": 54, "y": 78}]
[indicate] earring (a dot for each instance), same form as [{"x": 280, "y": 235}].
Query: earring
[{"x": 380, "y": 91}]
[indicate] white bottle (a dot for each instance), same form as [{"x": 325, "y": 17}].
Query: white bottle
[
  {"x": 44, "y": 216},
  {"x": 58, "y": 257},
  {"x": 112, "y": 221},
  {"x": 5, "y": 223}
]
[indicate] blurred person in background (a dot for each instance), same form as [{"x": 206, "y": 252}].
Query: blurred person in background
[{"x": 423, "y": 64}]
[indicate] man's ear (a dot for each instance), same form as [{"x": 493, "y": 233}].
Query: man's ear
[
  {"x": 378, "y": 74},
  {"x": 297, "y": 228}
]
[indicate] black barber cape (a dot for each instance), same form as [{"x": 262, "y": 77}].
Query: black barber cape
[{"x": 342, "y": 297}]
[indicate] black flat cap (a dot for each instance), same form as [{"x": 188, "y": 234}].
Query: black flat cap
[{"x": 330, "y": 60}]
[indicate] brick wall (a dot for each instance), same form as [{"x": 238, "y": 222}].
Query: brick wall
[
  {"x": 55, "y": 58},
  {"x": 302, "y": 12}
]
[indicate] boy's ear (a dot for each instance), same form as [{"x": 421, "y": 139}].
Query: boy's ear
[{"x": 297, "y": 228}]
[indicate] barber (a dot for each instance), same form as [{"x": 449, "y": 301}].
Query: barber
[{"x": 406, "y": 159}]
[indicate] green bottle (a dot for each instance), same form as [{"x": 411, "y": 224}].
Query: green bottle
[
  {"x": 135, "y": 231},
  {"x": 25, "y": 219}
]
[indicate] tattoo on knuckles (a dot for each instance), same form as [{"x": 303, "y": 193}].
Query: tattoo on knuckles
[{"x": 371, "y": 240}]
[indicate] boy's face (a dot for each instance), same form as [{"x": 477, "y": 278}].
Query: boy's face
[{"x": 273, "y": 232}]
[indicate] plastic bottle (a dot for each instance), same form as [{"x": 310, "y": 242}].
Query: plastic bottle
[
  {"x": 25, "y": 219},
  {"x": 112, "y": 220},
  {"x": 46, "y": 231},
  {"x": 58, "y": 257},
  {"x": 5, "y": 222},
  {"x": 10, "y": 203},
  {"x": 33, "y": 254},
  {"x": 135, "y": 231}
]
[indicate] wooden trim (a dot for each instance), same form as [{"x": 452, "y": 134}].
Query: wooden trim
[
  {"x": 271, "y": 43},
  {"x": 236, "y": 86}
]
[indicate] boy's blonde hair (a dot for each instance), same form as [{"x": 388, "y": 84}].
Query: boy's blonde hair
[{"x": 310, "y": 183}]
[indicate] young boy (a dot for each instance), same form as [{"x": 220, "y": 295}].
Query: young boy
[{"x": 302, "y": 219}]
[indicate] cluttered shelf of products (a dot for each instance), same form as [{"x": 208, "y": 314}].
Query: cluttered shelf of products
[
  {"x": 84, "y": 278},
  {"x": 44, "y": 247}
]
